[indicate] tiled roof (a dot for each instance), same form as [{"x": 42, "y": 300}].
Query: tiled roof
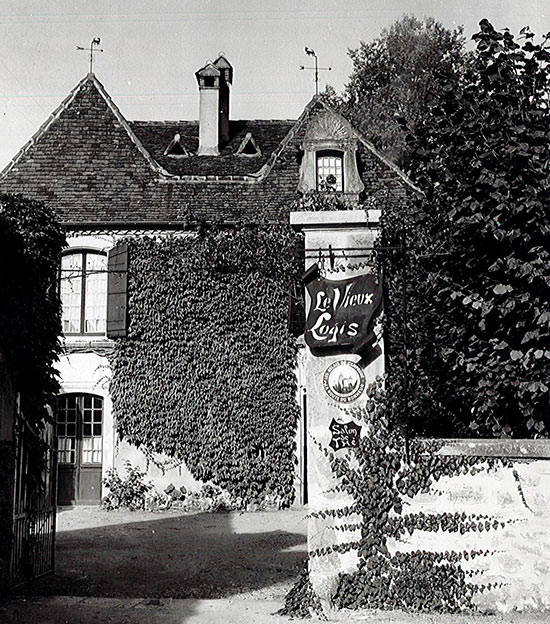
[
  {"x": 98, "y": 170},
  {"x": 156, "y": 136}
]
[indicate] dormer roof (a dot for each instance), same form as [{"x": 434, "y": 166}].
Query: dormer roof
[{"x": 225, "y": 67}]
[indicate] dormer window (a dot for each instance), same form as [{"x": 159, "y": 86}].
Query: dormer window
[
  {"x": 329, "y": 161},
  {"x": 330, "y": 171},
  {"x": 248, "y": 146},
  {"x": 176, "y": 149}
]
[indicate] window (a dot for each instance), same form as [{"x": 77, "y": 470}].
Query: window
[
  {"x": 330, "y": 171},
  {"x": 175, "y": 148},
  {"x": 248, "y": 146},
  {"x": 84, "y": 292},
  {"x": 79, "y": 429}
]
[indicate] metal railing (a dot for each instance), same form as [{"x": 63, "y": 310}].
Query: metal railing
[{"x": 33, "y": 544}]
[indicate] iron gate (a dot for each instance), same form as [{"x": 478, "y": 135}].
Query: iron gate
[{"x": 33, "y": 503}]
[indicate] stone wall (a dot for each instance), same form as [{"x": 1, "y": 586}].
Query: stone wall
[{"x": 505, "y": 503}]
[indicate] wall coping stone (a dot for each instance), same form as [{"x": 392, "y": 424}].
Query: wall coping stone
[
  {"x": 325, "y": 219},
  {"x": 503, "y": 447}
]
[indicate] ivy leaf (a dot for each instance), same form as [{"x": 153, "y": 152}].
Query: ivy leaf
[{"x": 502, "y": 289}]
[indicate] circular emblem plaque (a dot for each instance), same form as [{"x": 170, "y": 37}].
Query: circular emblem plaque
[{"x": 344, "y": 381}]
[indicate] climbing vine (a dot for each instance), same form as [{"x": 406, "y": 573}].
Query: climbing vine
[
  {"x": 380, "y": 476},
  {"x": 206, "y": 373}
]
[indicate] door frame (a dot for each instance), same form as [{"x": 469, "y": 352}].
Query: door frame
[{"x": 79, "y": 467}]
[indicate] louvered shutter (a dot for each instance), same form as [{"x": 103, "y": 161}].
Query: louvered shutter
[{"x": 117, "y": 292}]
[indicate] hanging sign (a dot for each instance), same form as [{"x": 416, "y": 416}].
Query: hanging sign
[
  {"x": 341, "y": 312},
  {"x": 344, "y": 435}
]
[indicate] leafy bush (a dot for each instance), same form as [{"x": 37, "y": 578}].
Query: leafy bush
[
  {"x": 131, "y": 492},
  {"x": 209, "y": 498},
  {"x": 30, "y": 314},
  {"x": 468, "y": 305}
]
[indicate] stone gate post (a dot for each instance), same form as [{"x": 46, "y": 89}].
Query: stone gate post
[{"x": 341, "y": 358}]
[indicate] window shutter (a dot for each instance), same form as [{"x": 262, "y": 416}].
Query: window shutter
[{"x": 117, "y": 292}]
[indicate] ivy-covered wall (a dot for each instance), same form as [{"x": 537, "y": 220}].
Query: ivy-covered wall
[
  {"x": 206, "y": 374},
  {"x": 501, "y": 541},
  {"x": 437, "y": 526}
]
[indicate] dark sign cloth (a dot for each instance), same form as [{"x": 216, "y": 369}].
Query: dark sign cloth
[
  {"x": 344, "y": 435},
  {"x": 341, "y": 312}
]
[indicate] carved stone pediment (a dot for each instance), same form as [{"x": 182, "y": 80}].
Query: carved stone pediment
[{"x": 326, "y": 126}]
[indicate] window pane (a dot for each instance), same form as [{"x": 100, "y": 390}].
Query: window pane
[
  {"x": 92, "y": 442},
  {"x": 330, "y": 173},
  {"x": 91, "y": 450},
  {"x": 71, "y": 292},
  {"x": 96, "y": 294},
  {"x": 66, "y": 450},
  {"x": 66, "y": 429}
]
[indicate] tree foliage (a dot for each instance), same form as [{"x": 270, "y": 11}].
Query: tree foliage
[
  {"x": 399, "y": 74},
  {"x": 30, "y": 316},
  {"x": 473, "y": 336}
]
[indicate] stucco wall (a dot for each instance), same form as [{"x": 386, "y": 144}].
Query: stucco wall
[
  {"x": 341, "y": 230},
  {"x": 160, "y": 469},
  {"x": 510, "y": 505},
  {"x": 90, "y": 373}
]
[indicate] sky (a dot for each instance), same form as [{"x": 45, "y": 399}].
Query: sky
[{"x": 152, "y": 49}]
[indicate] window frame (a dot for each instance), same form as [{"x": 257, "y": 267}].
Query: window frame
[
  {"x": 83, "y": 252},
  {"x": 330, "y": 153},
  {"x": 78, "y": 450}
]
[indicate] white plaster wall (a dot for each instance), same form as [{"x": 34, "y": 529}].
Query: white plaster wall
[
  {"x": 161, "y": 470},
  {"x": 519, "y": 557},
  {"x": 102, "y": 242}
]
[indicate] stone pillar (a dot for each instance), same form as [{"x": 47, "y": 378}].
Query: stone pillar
[{"x": 334, "y": 379}]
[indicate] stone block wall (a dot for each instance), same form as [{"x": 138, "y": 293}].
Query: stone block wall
[{"x": 504, "y": 506}]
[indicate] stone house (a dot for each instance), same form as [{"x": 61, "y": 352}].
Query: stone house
[{"x": 108, "y": 177}]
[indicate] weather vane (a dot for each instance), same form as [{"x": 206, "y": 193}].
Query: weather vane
[
  {"x": 95, "y": 42},
  {"x": 317, "y": 69}
]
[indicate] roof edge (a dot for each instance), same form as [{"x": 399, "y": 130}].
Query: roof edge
[
  {"x": 44, "y": 127},
  {"x": 391, "y": 165},
  {"x": 90, "y": 77},
  {"x": 315, "y": 100},
  {"x": 124, "y": 123}
]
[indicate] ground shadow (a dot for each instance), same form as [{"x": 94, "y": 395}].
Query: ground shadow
[{"x": 201, "y": 556}]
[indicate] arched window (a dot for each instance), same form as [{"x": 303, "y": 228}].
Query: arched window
[
  {"x": 84, "y": 292},
  {"x": 330, "y": 171}
]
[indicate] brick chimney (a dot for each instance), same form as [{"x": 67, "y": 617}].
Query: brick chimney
[{"x": 214, "y": 80}]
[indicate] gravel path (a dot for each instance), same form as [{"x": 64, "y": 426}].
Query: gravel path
[{"x": 173, "y": 554}]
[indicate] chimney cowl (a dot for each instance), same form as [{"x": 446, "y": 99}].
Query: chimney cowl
[{"x": 214, "y": 80}]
